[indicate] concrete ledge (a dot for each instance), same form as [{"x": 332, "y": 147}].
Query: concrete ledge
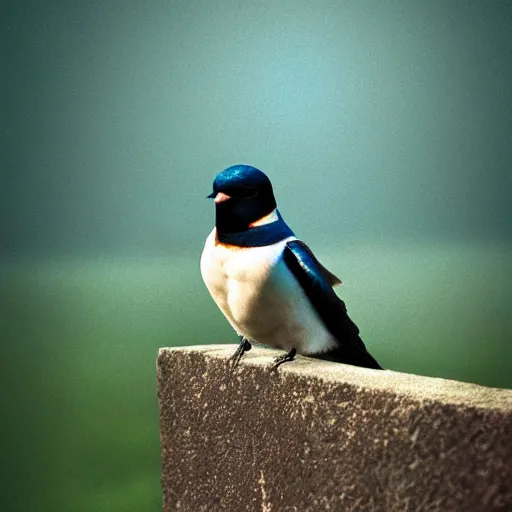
[{"x": 324, "y": 436}]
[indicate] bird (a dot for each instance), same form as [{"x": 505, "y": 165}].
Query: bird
[{"x": 268, "y": 283}]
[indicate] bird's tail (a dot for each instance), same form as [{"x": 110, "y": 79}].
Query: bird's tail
[{"x": 349, "y": 356}]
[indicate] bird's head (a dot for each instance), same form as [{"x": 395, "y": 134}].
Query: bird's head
[{"x": 243, "y": 195}]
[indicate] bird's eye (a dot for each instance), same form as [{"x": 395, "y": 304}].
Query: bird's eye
[
  {"x": 249, "y": 192},
  {"x": 241, "y": 192}
]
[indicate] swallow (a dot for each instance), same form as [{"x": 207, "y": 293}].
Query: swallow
[{"x": 267, "y": 283}]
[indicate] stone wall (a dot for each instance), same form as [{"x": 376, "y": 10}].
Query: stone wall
[{"x": 325, "y": 436}]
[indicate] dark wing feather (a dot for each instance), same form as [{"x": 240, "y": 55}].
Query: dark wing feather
[
  {"x": 317, "y": 285},
  {"x": 331, "y": 278}
]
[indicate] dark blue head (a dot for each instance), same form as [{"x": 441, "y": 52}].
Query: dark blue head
[{"x": 243, "y": 194}]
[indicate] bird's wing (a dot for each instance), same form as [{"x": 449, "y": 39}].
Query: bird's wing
[
  {"x": 331, "y": 278},
  {"x": 317, "y": 285}
]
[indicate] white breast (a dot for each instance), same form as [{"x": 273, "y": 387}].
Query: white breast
[{"x": 261, "y": 298}]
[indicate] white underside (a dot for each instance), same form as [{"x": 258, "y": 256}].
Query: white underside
[{"x": 261, "y": 298}]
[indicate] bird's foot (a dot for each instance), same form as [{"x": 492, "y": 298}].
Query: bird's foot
[
  {"x": 278, "y": 361},
  {"x": 243, "y": 346}
]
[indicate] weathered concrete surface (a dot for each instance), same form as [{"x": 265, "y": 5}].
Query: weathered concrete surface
[{"x": 325, "y": 436}]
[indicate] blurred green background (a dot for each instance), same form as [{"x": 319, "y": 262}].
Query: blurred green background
[{"x": 385, "y": 127}]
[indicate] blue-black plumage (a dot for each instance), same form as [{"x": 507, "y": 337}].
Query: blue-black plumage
[{"x": 268, "y": 284}]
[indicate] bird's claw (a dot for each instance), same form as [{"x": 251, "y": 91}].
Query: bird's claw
[
  {"x": 278, "y": 361},
  {"x": 243, "y": 346}
]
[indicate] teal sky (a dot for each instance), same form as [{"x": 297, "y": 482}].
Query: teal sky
[
  {"x": 385, "y": 127},
  {"x": 375, "y": 120}
]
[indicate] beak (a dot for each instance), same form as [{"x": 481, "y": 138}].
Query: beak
[{"x": 221, "y": 197}]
